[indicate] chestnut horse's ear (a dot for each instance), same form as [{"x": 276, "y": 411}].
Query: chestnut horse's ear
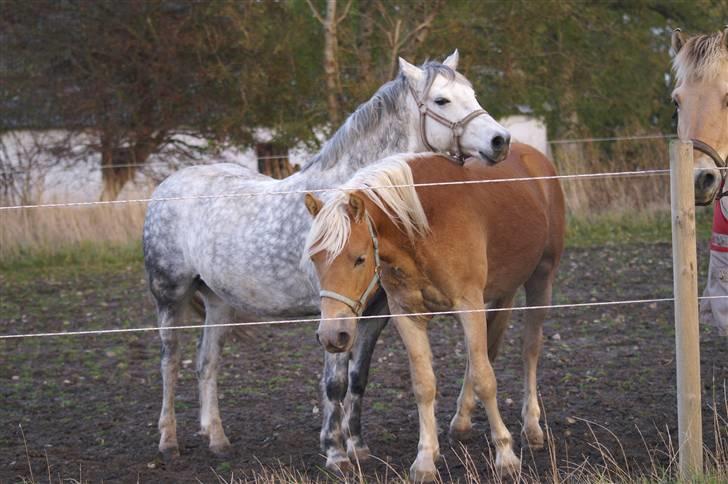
[
  {"x": 678, "y": 40},
  {"x": 356, "y": 207},
  {"x": 313, "y": 204}
]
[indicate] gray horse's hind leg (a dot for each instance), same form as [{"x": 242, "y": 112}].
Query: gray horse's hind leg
[
  {"x": 342, "y": 410},
  {"x": 171, "y": 300},
  {"x": 209, "y": 351}
]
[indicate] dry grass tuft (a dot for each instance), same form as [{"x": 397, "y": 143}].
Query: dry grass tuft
[{"x": 48, "y": 230}]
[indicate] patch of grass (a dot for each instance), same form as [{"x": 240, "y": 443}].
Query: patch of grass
[
  {"x": 626, "y": 228},
  {"x": 84, "y": 255}
]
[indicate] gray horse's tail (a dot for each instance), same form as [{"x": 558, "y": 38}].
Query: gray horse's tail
[{"x": 197, "y": 304}]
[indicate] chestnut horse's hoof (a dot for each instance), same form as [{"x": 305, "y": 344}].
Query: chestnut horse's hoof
[
  {"x": 423, "y": 473},
  {"x": 506, "y": 463},
  {"x": 457, "y": 436},
  {"x": 222, "y": 450},
  {"x": 534, "y": 439}
]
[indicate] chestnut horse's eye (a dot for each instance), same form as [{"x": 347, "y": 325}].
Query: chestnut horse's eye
[
  {"x": 359, "y": 261},
  {"x": 441, "y": 101}
]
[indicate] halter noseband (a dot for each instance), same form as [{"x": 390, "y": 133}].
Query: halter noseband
[
  {"x": 457, "y": 127},
  {"x": 358, "y": 306},
  {"x": 721, "y": 163}
]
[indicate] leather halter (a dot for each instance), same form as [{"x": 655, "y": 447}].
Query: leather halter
[
  {"x": 457, "y": 127},
  {"x": 359, "y": 306},
  {"x": 720, "y": 163}
]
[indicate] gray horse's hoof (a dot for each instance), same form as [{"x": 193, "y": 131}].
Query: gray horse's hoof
[
  {"x": 358, "y": 454},
  {"x": 340, "y": 465},
  {"x": 169, "y": 454}
]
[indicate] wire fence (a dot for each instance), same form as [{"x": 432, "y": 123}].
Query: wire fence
[
  {"x": 165, "y": 164},
  {"x": 633, "y": 173},
  {"x": 365, "y": 317},
  {"x": 623, "y": 174}
]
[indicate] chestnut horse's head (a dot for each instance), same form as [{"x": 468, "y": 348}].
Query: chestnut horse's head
[
  {"x": 344, "y": 245},
  {"x": 701, "y": 101}
]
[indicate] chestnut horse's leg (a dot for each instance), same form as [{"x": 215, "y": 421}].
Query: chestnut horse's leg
[
  {"x": 461, "y": 425},
  {"x": 209, "y": 351},
  {"x": 484, "y": 384},
  {"x": 538, "y": 293},
  {"x": 414, "y": 336},
  {"x": 368, "y": 331}
]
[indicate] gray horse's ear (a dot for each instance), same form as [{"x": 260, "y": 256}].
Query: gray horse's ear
[
  {"x": 313, "y": 204},
  {"x": 678, "y": 40},
  {"x": 725, "y": 36},
  {"x": 452, "y": 60},
  {"x": 410, "y": 71},
  {"x": 356, "y": 206}
]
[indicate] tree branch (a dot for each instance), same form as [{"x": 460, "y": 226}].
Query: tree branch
[{"x": 316, "y": 13}]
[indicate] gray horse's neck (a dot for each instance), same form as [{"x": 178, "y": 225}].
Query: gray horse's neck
[{"x": 378, "y": 128}]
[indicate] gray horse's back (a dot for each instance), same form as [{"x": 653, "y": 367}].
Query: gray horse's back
[{"x": 178, "y": 204}]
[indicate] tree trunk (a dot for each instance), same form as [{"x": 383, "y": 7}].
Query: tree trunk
[
  {"x": 331, "y": 67},
  {"x": 365, "y": 42},
  {"x": 119, "y": 165}
]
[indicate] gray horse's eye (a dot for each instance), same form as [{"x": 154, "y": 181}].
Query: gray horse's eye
[
  {"x": 441, "y": 101},
  {"x": 359, "y": 261}
]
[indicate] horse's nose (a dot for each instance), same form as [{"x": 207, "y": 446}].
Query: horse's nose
[
  {"x": 334, "y": 341},
  {"x": 705, "y": 181},
  {"x": 342, "y": 339},
  {"x": 500, "y": 144}
]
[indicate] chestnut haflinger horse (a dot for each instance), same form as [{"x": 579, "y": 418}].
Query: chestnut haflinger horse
[
  {"x": 701, "y": 101},
  {"x": 241, "y": 253},
  {"x": 444, "y": 248}
]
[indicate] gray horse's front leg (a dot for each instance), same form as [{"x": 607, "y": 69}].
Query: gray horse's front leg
[
  {"x": 342, "y": 410},
  {"x": 368, "y": 334},
  {"x": 333, "y": 388}
]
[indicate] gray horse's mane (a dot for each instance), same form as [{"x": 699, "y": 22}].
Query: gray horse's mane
[
  {"x": 702, "y": 57},
  {"x": 369, "y": 115}
]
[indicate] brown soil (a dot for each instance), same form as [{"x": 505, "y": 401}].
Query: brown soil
[{"x": 88, "y": 405}]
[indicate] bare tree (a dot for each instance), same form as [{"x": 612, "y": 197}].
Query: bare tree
[
  {"x": 25, "y": 163},
  {"x": 331, "y": 48},
  {"x": 403, "y": 28}
]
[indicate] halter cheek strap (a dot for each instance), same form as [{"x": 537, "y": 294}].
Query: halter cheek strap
[
  {"x": 359, "y": 306},
  {"x": 457, "y": 127}
]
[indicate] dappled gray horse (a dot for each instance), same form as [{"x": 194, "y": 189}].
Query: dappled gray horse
[{"x": 241, "y": 253}]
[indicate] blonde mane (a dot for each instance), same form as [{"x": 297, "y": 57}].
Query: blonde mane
[
  {"x": 387, "y": 183},
  {"x": 702, "y": 57}
]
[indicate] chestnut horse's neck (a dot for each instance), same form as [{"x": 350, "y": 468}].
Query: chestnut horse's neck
[{"x": 505, "y": 226}]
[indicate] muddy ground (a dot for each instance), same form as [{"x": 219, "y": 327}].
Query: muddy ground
[{"x": 86, "y": 407}]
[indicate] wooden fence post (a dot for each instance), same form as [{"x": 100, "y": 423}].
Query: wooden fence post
[{"x": 687, "y": 335}]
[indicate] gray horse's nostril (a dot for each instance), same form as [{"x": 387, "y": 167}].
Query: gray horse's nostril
[
  {"x": 500, "y": 142},
  {"x": 318, "y": 338}
]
